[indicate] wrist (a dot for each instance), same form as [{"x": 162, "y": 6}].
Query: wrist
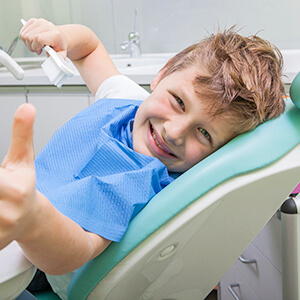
[
  {"x": 32, "y": 227},
  {"x": 80, "y": 40}
]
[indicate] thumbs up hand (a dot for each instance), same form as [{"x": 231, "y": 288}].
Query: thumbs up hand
[{"x": 18, "y": 197}]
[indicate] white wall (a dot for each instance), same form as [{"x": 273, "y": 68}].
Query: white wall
[{"x": 164, "y": 25}]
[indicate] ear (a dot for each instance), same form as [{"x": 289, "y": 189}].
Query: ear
[{"x": 156, "y": 80}]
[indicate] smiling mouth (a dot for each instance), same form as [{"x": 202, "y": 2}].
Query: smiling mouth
[{"x": 157, "y": 142}]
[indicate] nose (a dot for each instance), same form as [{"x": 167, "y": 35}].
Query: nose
[{"x": 175, "y": 132}]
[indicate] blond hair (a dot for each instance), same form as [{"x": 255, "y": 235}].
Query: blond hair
[{"x": 239, "y": 77}]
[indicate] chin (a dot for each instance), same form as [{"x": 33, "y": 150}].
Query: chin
[{"x": 142, "y": 150}]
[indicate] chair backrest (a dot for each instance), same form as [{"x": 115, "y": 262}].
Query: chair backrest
[{"x": 182, "y": 243}]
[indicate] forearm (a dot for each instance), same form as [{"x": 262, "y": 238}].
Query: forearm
[
  {"x": 80, "y": 40},
  {"x": 88, "y": 55},
  {"x": 56, "y": 244}
]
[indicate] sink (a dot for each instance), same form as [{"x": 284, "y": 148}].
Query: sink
[
  {"x": 150, "y": 64},
  {"x": 122, "y": 61},
  {"x": 144, "y": 61},
  {"x": 28, "y": 63},
  {"x": 136, "y": 62},
  {"x": 141, "y": 69}
]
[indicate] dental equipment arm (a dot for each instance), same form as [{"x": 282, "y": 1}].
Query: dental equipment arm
[{"x": 11, "y": 65}]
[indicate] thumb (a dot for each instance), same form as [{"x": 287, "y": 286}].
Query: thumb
[{"x": 21, "y": 145}]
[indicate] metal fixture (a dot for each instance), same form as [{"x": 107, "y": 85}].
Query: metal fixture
[{"x": 133, "y": 42}]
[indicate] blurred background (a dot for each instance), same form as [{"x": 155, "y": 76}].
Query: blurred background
[{"x": 164, "y": 25}]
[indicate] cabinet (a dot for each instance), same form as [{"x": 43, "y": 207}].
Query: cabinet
[
  {"x": 257, "y": 274},
  {"x": 54, "y": 107}
]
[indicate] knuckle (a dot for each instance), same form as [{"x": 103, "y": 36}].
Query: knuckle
[
  {"x": 19, "y": 192},
  {"x": 31, "y": 20},
  {"x": 41, "y": 20},
  {"x": 39, "y": 39}
]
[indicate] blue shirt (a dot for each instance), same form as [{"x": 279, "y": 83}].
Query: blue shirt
[{"x": 90, "y": 172}]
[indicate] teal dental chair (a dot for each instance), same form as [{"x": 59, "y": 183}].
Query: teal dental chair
[{"x": 182, "y": 243}]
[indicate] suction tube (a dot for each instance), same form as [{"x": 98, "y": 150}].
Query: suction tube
[{"x": 11, "y": 65}]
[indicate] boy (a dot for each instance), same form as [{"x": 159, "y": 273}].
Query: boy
[{"x": 201, "y": 99}]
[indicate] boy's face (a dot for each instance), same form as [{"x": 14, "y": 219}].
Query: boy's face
[{"x": 172, "y": 124}]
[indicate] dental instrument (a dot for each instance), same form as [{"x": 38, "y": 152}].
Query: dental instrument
[
  {"x": 11, "y": 65},
  {"x": 56, "y": 68},
  {"x": 133, "y": 42}
]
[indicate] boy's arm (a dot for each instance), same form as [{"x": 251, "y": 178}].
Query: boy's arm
[
  {"x": 77, "y": 42},
  {"x": 50, "y": 240},
  {"x": 56, "y": 244}
]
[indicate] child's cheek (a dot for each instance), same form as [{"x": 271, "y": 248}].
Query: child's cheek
[{"x": 195, "y": 154}]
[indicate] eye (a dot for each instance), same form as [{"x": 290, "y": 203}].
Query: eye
[
  {"x": 180, "y": 102},
  {"x": 205, "y": 133}
]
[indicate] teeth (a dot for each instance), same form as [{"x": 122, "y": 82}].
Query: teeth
[
  {"x": 155, "y": 139},
  {"x": 157, "y": 143}
]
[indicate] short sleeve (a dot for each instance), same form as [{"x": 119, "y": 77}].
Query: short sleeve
[{"x": 121, "y": 87}]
